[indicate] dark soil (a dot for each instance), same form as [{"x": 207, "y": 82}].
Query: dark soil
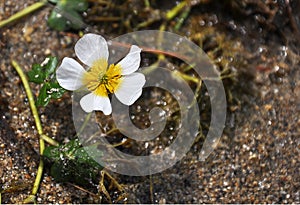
[{"x": 257, "y": 159}]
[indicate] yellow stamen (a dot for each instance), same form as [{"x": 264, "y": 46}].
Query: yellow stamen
[{"x": 102, "y": 81}]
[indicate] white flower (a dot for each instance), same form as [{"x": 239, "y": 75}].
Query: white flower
[{"x": 101, "y": 79}]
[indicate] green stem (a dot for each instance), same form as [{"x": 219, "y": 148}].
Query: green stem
[
  {"x": 182, "y": 18},
  {"x": 49, "y": 140},
  {"x": 30, "y": 96},
  {"x": 38, "y": 124},
  {"x": 147, "y": 3},
  {"x": 186, "y": 77},
  {"x": 23, "y": 13},
  {"x": 86, "y": 120},
  {"x": 174, "y": 11}
]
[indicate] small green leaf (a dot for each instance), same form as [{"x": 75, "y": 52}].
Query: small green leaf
[
  {"x": 40, "y": 72},
  {"x": 65, "y": 14},
  {"x": 52, "y": 153},
  {"x": 73, "y": 151},
  {"x": 72, "y": 163},
  {"x": 57, "y": 21},
  {"x": 83, "y": 157},
  {"x": 50, "y": 90},
  {"x": 55, "y": 91},
  {"x": 69, "y": 148},
  {"x": 43, "y": 99},
  {"x": 50, "y": 65},
  {"x": 36, "y": 75},
  {"x": 74, "y": 20},
  {"x": 58, "y": 173},
  {"x": 44, "y": 74},
  {"x": 76, "y": 5}
]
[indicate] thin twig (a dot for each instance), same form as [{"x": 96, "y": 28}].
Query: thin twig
[{"x": 82, "y": 189}]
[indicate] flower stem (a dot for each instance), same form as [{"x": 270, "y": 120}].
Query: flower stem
[
  {"x": 23, "y": 13},
  {"x": 30, "y": 96},
  {"x": 43, "y": 137},
  {"x": 32, "y": 105},
  {"x": 182, "y": 18},
  {"x": 187, "y": 77},
  {"x": 174, "y": 11},
  {"x": 86, "y": 120}
]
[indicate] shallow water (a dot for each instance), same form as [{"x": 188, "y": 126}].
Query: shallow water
[{"x": 257, "y": 159}]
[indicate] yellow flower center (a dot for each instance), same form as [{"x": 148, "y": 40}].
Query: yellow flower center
[{"x": 102, "y": 80}]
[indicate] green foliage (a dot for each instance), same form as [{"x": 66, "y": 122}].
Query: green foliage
[
  {"x": 44, "y": 74},
  {"x": 66, "y": 14},
  {"x": 71, "y": 163}
]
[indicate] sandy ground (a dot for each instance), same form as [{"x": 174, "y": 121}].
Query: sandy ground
[{"x": 257, "y": 160}]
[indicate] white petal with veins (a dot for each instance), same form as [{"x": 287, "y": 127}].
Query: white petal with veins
[
  {"x": 130, "y": 88},
  {"x": 90, "y": 48},
  {"x": 91, "y": 102},
  {"x": 69, "y": 74},
  {"x": 131, "y": 62}
]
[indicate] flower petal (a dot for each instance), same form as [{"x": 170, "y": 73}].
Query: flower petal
[
  {"x": 92, "y": 102},
  {"x": 131, "y": 62},
  {"x": 69, "y": 74},
  {"x": 130, "y": 88},
  {"x": 90, "y": 48}
]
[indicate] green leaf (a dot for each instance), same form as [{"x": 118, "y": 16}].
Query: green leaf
[
  {"x": 50, "y": 90},
  {"x": 62, "y": 151},
  {"x": 57, "y": 21},
  {"x": 36, "y": 75},
  {"x": 83, "y": 157},
  {"x": 50, "y": 65},
  {"x": 52, "y": 153},
  {"x": 74, "y": 20},
  {"x": 73, "y": 151},
  {"x": 72, "y": 163},
  {"x": 43, "y": 99},
  {"x": 40, "y": 72},
  {"x": 76, "y": 5},
  {"x": 55, "y": 91},
  {"x": 57, "y": 171},
  {"x": 44, "y": 74},
  {"x": 65, "y": 15}
]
